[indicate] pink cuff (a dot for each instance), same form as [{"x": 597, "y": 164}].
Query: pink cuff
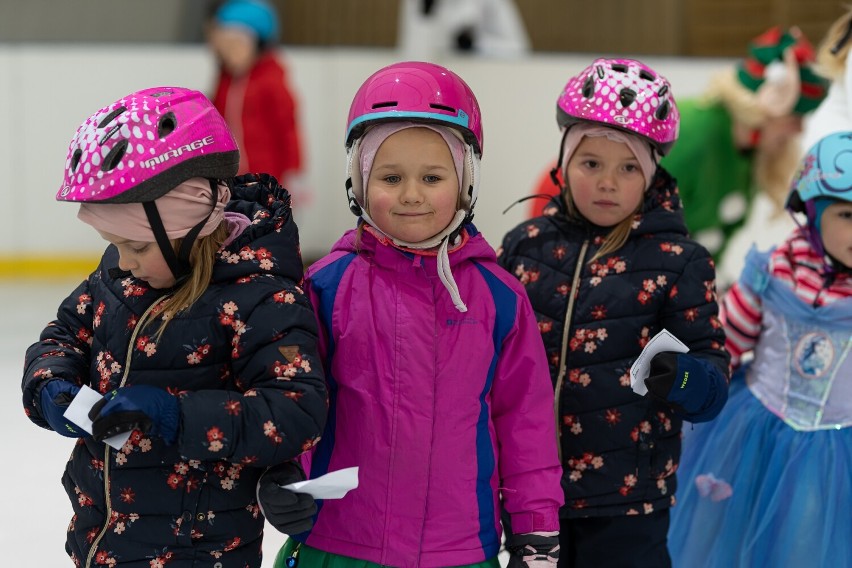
[{"x": 535, "y": 521}]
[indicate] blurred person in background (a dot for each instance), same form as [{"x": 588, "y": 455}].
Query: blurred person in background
[
  {"x": 431, "y": 29},
  {"x": 253, "y": 93},
  {"x": 733, "y": 176},
  {"x": 834, "y": 114}
]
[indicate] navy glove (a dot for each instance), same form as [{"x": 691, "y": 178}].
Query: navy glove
[
  {"x": 54, "y": 398},
  {"x": 533, "y": 550},
  {"x": 684, "y": 382},
  {"x": 148, "y": 409},
  {"x": 289, "y": 512}
]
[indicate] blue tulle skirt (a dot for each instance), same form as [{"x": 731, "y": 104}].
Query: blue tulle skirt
[{"x": 754, "y": 492}]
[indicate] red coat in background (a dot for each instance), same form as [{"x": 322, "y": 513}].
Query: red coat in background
[
  {"x": 543, "y": 186},
  {"x": 261, "y": 112}
]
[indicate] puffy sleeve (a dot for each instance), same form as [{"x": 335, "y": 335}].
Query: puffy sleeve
[
  {"x": 692, "y": 315},
  {"x": 280, "y": 408},
  {"x": 62, "y": 351}
]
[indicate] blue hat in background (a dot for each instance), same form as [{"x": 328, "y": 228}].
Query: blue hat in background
[{"x": 257, "y": 16}]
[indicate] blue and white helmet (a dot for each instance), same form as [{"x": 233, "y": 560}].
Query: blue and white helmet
[{"x": 825, "y": 175}]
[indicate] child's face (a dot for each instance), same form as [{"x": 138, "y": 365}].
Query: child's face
[
  {"x": 235, "y": 47},
  {"x": 413, "y": 190},
  {"x": 836, "y": 232},
  {"x": 142, "y": 259},
  {"x": 605, "y": 180}
]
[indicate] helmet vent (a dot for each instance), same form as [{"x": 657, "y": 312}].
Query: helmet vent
[
  {"x": 662, "y": 111},
  {"x": 385, "y": 104},
  {"x": 75, "y": 159},
  {"x": 647, "y": 75},
  {"x": 111, "y": 116},
  {"x": 167, "y": 125},
  {"x": 588, "y": 87},
  {"x": 619, "y": 67},
  {"x": 442, "y": 107},
  {"x": 113, "y": 158},
  {"x": 626, "y": 97},
  {"x": 663, "y": 90}
]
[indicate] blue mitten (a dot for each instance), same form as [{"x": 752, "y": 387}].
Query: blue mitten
[
  {"x": 533, "y": 550},
  {"x": 54, "y": 398},
  {"x": 148, "y": 409},
  {"x": 688, "y": 384}
]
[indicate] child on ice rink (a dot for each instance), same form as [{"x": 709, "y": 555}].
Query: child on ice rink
[
  {"x": 193, "y": 328},
  {"x": 613, "y": 266},
  {"x": 437, "y": 377},
  {"x": 767, "y": 483}
]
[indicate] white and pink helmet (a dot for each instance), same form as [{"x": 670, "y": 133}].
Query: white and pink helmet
[
  {"x": 143, "y": 145},
  {"x": 624, "y": 94}
]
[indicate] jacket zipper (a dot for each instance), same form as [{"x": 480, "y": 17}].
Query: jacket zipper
[
  {"x": 566, "y": 328},
  {"x": 139, "y": 325}
]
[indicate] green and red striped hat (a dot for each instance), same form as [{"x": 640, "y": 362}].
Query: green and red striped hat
[{"x": 770, "y": 46}]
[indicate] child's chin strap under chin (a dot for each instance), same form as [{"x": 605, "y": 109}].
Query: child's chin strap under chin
[
  {"x": 444, "y": 272},
  {"x": 442, "y": 240}
]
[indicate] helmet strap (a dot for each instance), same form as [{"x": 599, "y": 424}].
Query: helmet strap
[
  {"x": 178, "y": 262},
  {"x": 554, "y": 173}
]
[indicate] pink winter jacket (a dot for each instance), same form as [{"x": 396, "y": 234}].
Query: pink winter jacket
[{"x": 445, "y": 413}]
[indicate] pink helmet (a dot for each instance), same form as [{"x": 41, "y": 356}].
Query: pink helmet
[
  {"x": 416, "y": 91},
  {"x": 146, "y": 143},
  {"x": 625, "y": 94}
]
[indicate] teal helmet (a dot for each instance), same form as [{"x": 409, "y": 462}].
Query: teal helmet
[
  {"x": 258, "y": 16},
  {"x": 825, "y": 176}
]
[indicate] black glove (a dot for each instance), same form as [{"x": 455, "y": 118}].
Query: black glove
[
  {"x": 533, "y": 550},
  {"x": 149, "y": 409},
  {"x": 287, "y": 511},
  {"x": 54, "y": 398},
  {"x": 680, "y": 380}
]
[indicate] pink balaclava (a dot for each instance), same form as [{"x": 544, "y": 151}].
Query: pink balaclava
[
  {"x": 375, "y": 136},
  {"x": 640, "y": 148},
  {"x": 180, "y": 210},
  {"x": 370, "y": 143}
]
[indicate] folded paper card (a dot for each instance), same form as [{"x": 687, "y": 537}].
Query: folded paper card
[{"x": 663, "y": 341}]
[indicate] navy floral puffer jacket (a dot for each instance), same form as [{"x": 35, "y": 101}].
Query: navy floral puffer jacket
[
  {"x": 243, "y": 360},
  {"x": 619, "y": 450}
]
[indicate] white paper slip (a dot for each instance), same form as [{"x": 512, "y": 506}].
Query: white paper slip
[
  {"x": 332, "y": 485},
  {"x": 663, "y": 341},
  {"x": 78, "y": 413}
]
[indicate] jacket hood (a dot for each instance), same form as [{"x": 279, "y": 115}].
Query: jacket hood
[{"x": 270, "y": 245}]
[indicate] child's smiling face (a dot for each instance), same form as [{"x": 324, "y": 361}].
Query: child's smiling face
[{"x": 413, "y": 189}]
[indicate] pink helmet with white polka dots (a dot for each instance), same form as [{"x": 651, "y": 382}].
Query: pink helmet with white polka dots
[
  {"x": 143, "y": 145},
  {"x": 624, "y": 94}
]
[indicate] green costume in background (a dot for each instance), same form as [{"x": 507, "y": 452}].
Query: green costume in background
[{"x": 713, "y": 177}]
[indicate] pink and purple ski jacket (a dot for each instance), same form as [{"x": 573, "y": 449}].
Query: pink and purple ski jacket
[{"x": 445, "y": 413}]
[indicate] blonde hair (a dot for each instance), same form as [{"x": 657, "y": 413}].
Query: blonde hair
[
  {"x": 741, "y": 103},
  {"x": 832, "y": 65},
  {"x": 615, "y": 238},
  {"x": 202, "y": 258}
]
